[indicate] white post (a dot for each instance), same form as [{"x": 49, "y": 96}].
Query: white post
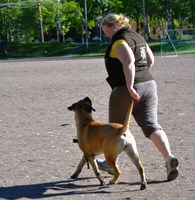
[
  {"x": 144, "y": 17},
  {"x": 41, "y": 21},
  {"x": 58, "y": 21},
  {"x": 86, "y": 29}
]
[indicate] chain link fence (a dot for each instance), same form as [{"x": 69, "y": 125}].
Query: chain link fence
[{"x": 175, "y": 40}]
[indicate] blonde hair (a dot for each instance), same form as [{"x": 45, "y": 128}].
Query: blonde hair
[{"x": 118, "y": 19}]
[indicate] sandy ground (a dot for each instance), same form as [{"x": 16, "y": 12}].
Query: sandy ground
[{"x": 37, "y": 153}]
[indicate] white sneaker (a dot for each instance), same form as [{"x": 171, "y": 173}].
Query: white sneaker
[
  {"x": 172, "y": 168},
  {"x": 104, "y": 166}
]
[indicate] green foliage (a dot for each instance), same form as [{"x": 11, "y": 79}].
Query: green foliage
[
  {"x": 116, "y": 6},
  {"x": 49, "y": 15},
  {"x": 71, "y": 15},
  {"x": 20, "y": 19}
]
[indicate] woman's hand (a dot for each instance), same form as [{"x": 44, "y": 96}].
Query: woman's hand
[{"x": 134, "y": 94}]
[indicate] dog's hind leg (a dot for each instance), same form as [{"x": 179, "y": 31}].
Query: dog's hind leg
[
  {"x": 94, "y": 165},
  {"x": 79, "y": 168},
  {"x": 132, "y": 152}
]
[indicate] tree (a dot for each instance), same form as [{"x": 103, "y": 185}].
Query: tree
[
  {"x": 20, "y": 19},
  {"x": 71, "y": 16},
  {"x": 192, "y": 13},
  {"x": 19, "y": 22}
]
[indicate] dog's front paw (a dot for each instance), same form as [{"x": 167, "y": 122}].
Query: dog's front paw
[
  {"x": 112, "y": 182},
  {"x": 74, "y": 176},
  {"x": 143, "y": 186},
  {"x": 102, "y": 183}
]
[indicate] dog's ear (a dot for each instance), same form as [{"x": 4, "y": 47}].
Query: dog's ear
[
  {"x": 88, "y": 100},
  {"x": 70, "y": 107},
  {"x": 88, "y": 103}
]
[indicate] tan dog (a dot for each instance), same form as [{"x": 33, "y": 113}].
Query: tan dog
[{"x": 111, "y": 139}]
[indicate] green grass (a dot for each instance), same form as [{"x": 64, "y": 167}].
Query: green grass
[
  {"x": 188, "y": 47},
  {"x": 54, "y": 49}
]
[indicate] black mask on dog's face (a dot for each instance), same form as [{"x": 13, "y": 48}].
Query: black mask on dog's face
[{"x": 85, "y": 104}]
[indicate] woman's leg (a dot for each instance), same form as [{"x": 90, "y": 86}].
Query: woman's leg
[
  {"x": 160, "y": 140},
  {"x": 146, "y": 116},
  {"x": 119, "y": 102}
]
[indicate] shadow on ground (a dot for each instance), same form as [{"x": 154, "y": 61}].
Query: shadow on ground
[
  {"x": 38, "y": 191},
  {"x": 60, "y": 188}
]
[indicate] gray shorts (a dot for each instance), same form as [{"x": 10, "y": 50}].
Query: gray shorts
[{"x": 145, "y": 110}]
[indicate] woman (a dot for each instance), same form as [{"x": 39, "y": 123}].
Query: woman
[{"x": 128, "y": 61}]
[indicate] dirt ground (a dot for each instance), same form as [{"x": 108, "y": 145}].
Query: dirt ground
[{"x": 37, "y": 155}]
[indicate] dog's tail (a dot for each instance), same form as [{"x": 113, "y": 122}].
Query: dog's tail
[{"x": 127, "y": 118}]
